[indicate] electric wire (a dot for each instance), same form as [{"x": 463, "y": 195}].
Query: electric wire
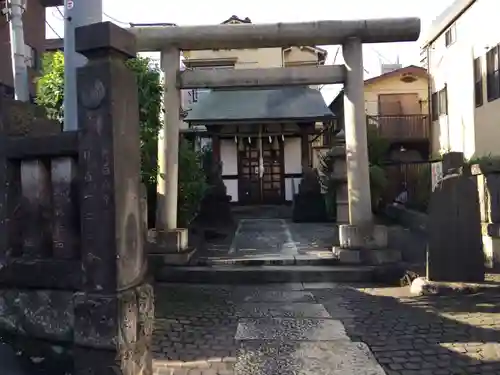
[{"x": 53, "y": 30}]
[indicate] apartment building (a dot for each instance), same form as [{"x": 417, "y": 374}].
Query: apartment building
[
  {"x": 34, "y": 37},
  {"x": 461, "y": 53}
]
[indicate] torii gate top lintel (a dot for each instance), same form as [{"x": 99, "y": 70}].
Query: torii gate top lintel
[{"x": 385, "y": 30}]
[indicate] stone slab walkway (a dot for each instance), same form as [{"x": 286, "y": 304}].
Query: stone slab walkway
[
  {"x": 323, "y": 329},
  {"x": 272, "y": 239}
]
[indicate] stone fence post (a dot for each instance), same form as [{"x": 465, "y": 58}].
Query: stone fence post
[
  {"x": 114, "y": 312},
  {"x": 488, "y": 186}
]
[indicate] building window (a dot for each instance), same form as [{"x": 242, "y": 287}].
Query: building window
[
  {"x": 492, "y": 74},
  {"x": 478, "y": 82},
  {"x": 434, "y": 106},
  {"x": 450, "y": 36},
  {"x": 443, "y": 101}
]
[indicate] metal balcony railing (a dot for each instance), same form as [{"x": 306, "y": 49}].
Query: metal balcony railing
[{"x": 401, "y": 127}]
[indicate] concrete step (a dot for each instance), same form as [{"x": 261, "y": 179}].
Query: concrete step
[
  {"x": 315, "y": 259},
  {"x": 266, "y": 274}
]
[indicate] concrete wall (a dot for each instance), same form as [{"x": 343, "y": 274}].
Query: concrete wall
[
  {"x": 394, "y": 85},
  {"x": 473, "y": 131}
]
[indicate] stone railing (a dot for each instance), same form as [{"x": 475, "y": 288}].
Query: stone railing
[{"x": 72, "y": 229}]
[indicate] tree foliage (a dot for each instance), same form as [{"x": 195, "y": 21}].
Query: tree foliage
[
  {"x": 378, "y": 148},
  {"x": 50, "y": 86},
  {"x": 50, "y": 94},
  {"x": 150, "y": 123},
  {"x": 192, "y": 183}
]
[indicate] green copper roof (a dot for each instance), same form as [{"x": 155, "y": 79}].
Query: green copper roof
[{"x": 253, "y": 105}]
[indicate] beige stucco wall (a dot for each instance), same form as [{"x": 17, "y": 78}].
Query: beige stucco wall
[
  {"x": 474, "y": 131},
  {"x": 258, "y": 57},
  {"x": 249, "y": 59},
  {"x": 393, "y": 85},
  {"x": 245, "y": 58}
]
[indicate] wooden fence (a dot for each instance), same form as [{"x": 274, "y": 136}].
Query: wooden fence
[{"x": 414, "y": 178}]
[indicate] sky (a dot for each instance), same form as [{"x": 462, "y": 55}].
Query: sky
[{"x": 193, "y": 12}]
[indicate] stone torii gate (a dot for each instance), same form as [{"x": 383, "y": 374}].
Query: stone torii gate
[{"x": 350, "y": 34}]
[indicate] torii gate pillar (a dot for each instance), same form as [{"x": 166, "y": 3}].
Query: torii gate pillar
[{"x": 358, "y": 177}]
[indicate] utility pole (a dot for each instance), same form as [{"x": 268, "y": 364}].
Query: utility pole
[
  {"x": 76, "y": 13},
  {"x": 15, "y": 9}
]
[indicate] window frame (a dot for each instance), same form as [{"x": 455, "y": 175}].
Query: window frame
[
  {"x": 434, "y": 106},
  {"x": 493, "y": 73},
  {"x": 450, "y": 35},
  {"x": 478, "y": 82},
  {"x": 443, "y": 101}
]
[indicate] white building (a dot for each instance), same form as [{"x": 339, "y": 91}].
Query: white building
[{"x": 461, "y": 52}]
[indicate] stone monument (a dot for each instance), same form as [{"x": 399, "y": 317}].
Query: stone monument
[
  {"x": 215, "y": 208},
  {"x": 309, "y": 204},
  {"x": 455, "y": 249}
]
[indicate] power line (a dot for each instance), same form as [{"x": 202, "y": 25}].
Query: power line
[
  {"x": 380, "y": 55},
  {"x": 53, "y": 30},
  {"x": 116, "y": 20},
  {"x": 336, "y": 55},
  {"x": 61, "y": 13}
]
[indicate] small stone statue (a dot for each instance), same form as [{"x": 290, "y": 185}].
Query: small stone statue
[
  {"x": 215, "y": 181},
  {"x": 309, "y": 203},
  {"x": 310, "y": 182},
  {"x": 215, "y": 208}
]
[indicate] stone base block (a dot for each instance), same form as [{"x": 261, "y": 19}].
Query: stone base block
[
  {"x": 367, "y": 256},
  {"x": 351, "y": 237},
  {"x": 172, "y": 259},
  {"x": 350, "y": 256},
  {"x": 382, "y": 256},
  {"x": 491, "y": 248},
  {"x": 113, "y": 332},
  {"x": 356, "y": 237},
  {"x": 171, "y": 241},
  {"x": 380, "y": 237}
]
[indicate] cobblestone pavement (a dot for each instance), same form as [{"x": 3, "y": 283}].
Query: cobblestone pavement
[{"x": 196, "y": 327}]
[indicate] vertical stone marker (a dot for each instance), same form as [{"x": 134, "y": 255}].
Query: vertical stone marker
[
  {"x": 455, "y": 251},
  {"x": 114, "y": 312}
]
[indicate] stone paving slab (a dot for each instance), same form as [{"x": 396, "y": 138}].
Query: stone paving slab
[
  {"x": 282, "y": 310},
  {"x": 408, "y": 335},
  {"x": 301, "y": 358},
  {"x": 260, "y": 295},
  {"x": 290, "y": 329}
]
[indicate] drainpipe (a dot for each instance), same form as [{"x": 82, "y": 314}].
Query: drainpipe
[{"x": 429, "y": 96}]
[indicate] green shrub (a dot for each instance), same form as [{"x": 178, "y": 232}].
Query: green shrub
[
  {"x": 192, "y": 183},
  {"x": 50, "y": 94}
]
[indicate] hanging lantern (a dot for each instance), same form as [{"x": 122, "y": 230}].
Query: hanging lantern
[
  {"x": 236, "y": 139},
  {"x": 270, "y": 139},
  {"x": 249, "y": 140}
]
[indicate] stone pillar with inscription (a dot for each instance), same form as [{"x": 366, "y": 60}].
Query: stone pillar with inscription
[{"x": 114, "y": 311}]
